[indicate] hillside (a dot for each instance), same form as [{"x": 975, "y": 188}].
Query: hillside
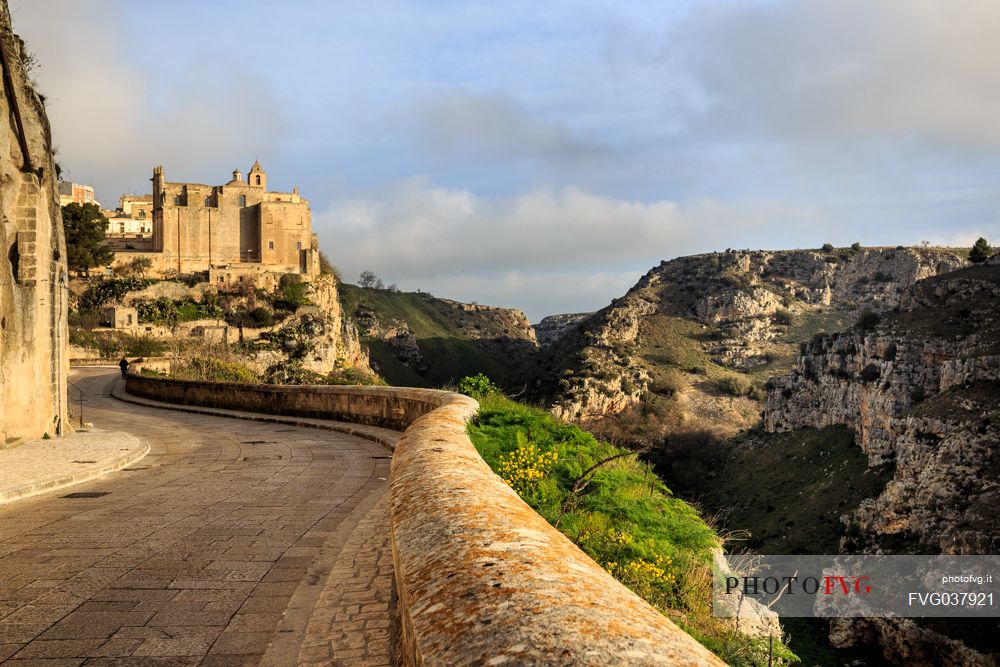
[
  {"x": 882, "y": 439},
  {"x": 415, "y": 339},
  {"x": 693, "y": 342}
]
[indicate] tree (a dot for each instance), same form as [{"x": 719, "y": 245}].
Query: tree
[
  {"x": 85, "y": 228},
  {"x": 137, "y": 266},
  {"x": 367, "y": 279},
  {"x": 981, "y": 251}
]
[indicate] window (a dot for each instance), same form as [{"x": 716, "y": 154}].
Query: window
[
  {"x": 177, "y": 200},
  {"x": 142, "y": 214},
  {"x": 298, "y": 245},
  {"x": 208, "y": 201},
  {"x": 258, "y": 179},
  {"x": 128, "y": 320},
  {"x": 270, "y": 245},
  {"x": 243, "y": 201}
]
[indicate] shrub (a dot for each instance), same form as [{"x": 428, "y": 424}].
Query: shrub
[
  {"x": 868, "y": 320},
  {"x": 111, "y": 290},
  {"x": 981, "y": 251},
  {"x": 782, "y": 316},
  {"x": 856, "y": 246},
  {"x": 827, "y": 247},
  {"x": 291, "y": 293},
  {"x": 211, "y": 369},
  {"x": 143, "y": 346},
  {"x": 478, "y": 386},
  {"x": 734, "y": 385}
]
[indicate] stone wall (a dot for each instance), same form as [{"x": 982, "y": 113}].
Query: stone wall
[
  {"x": 481, "y": 578},
  {"x": 33, "y": 292}
]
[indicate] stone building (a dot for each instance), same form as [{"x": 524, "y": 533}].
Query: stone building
[
  {"x": 75, "y": 193},
  {"x": 130, "y": 226},
  {"x": 33, "y": 280},
  {"x": 231, "y": 230}
]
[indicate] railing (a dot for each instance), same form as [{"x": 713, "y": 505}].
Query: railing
[{"x": 481, "y": 578}]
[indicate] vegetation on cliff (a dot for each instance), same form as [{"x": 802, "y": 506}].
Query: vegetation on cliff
[
  {"x": 416, "y": 339},
  {"x": 617, "y": 510}
]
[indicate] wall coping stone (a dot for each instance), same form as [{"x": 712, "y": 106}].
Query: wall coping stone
[{"x": 481, "y": 578}]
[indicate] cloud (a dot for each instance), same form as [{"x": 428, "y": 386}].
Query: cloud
[
  {"x": 558, "y": 249},
  {"x": 112, "y": 123},
  {"x": 462, "y": 123},
  {"x": 921, "y": 71}
]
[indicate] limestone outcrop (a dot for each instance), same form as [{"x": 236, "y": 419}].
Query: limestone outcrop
[
  {"x": 553, "y": 327},
  {"x": 920, "y": 389},
  {"x": 33, "y": 293},
  {"x": 743, "y": 309}
]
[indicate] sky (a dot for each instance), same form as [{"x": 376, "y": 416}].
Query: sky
[{"x": 543, "y": 156}]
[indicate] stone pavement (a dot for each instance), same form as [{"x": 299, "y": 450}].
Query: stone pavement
[
  {"x": 213, "y": 550},
  {"x": 40, "y": 466}
]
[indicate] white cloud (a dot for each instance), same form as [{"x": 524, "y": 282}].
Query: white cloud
[
  {"x": 457, "y": 122},
  {"x": 112, "y": 124},
  {"x": 825, "y": 71},
  {"x": 550, "y": 250}
]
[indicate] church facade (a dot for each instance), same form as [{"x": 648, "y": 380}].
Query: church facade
[{"x": 228, "y": 230}]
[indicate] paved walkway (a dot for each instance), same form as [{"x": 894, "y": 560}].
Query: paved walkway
[
  {"x": 41, "y": 466},
  {"x": 215, "y": 549}
]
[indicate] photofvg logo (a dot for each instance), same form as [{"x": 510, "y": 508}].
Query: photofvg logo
[{"x": 857, "y": 586}]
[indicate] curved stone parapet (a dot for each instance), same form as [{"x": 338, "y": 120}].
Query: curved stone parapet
[{"x": 481, "y": 578}]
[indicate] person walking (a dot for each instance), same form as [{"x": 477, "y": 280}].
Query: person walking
[{"x": 123, "y": 364}]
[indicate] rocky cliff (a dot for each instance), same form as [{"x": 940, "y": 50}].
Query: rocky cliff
[
  {"x": 417, "y": 339},
  {"x": 33, "y": 295},
  {"x": 554, "y": 327},
  {"x": 920, "y": 388},
  {"x": 693, "y": 341}
]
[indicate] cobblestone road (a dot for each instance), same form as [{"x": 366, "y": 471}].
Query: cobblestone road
[{"x": 231, "y": 543}]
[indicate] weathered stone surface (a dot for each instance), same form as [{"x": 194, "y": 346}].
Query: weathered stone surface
[
  {"x": 552, "y": 328},
  {"x": 33, "y": 294},
  {"x": 593, "y": 369},
  {"x": 481, "y": 578}
]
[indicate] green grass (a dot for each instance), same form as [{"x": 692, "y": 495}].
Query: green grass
[
  {"x": 625, "y": 518},
  {"x": 971, "y": 401},
  {"x": 449, "y": 353},
  {"x": 789, "y": 489}
]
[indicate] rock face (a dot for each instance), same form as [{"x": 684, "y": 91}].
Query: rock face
[
  {"x": 553, "y": 327},
  {"x": 920, "y": 388},
  {"x": 33, "y": 293},
  {"x": 747, "y": 303}
]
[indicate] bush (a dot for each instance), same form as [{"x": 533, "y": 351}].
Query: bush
[
  {"x": 782, "y": 316},
  {"x": 981, "y": 251},
  {"x": 735, "y": 385},
  {"x": 868, "y": 320},
  {"x": 105, "y": 291},
  {"x": 143, "y": 346},
  {"x": 211, "y": 369},
  {"x": 856, "y": 246},
  {"x": 291, "y": 293},
  {"x": 827, "y": 247},
  {"x": 478, "y": 386}
]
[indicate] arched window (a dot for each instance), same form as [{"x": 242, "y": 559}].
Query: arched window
[{"x": 258, "y": 179}]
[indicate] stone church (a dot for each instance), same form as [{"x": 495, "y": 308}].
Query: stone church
[{"x": 232, "y": 231}]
